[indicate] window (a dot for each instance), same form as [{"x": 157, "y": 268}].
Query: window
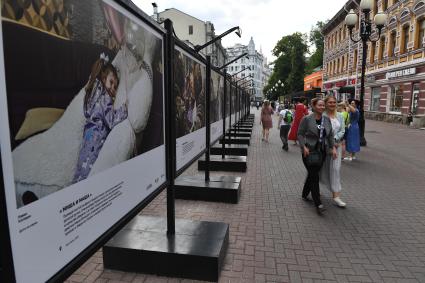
[
  {"x": 355, "y": 60},
  {"x": 415, "y": 99},
  {"x": 243, "y": 75},
  {"x": 375, "y": 99},
  {"x": 343, "y": 64},
  {"x": 381, "y": 48},
  {"x": 396, "y": 101},
  {"x": 393, "y": 42},
  {"x": 405, "y": 39},
  {"x": 375, "y": 7},
  {"x": 242, "y": 67},
  {"x": 384, "y": 5},
  {"x": 338, "y": 67},
  {"x": 243, "y": 61},
  {"x": 372, "y": 52},
  {"x": 190, "y": 29},
  {"x": 420, "y": 28},
  {"x": 236, "y": 68}
]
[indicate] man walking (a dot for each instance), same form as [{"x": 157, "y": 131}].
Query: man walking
[{"x": 285, "y": 121}]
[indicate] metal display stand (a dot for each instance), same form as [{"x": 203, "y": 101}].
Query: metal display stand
[
  {"x": 205, "y": 188},
  {"x": 166, "y": 247}
]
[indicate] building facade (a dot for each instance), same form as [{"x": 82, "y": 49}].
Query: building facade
[
  {"x": 195, "y": 32},
  {"x": 313, "y": 81},
  {"x": 395, "y": 73},
  {"x": 260, "y": 71}
]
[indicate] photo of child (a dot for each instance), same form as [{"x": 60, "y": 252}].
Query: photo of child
[
  {"x": 189, "y": 86},
  {"x": 100, "y": 114},
  {"x": 103, "y": 73}
]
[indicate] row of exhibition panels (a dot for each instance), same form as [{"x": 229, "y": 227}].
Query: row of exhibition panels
[{"x": 79, "y": 162}]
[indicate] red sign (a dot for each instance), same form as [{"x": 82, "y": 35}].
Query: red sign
[
  {"x": 352, "y": 82},
  {"x": 328, "y": 85},
  {"x": 341, "y": 83}
]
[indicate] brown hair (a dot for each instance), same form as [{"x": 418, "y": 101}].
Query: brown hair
[
  {"x": 100, "y": 70},
  {"x": 314, "y": 102}
]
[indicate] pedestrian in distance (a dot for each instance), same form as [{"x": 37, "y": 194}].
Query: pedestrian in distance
[
  {"x": 409, "y": 118},
  {"x": 342, "y": 109},
  {"x": 284, "y": 125},
  {"x": 258, "y": 105},
  {"x": 330, "y": 174},
  {"x": 353, "y": 132},
  {"x": 300, "y": 111},
  {"x": 266, "y": 119},
  {"x": 316, "y": 139}
]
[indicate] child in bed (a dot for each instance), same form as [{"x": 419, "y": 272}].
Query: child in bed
[{"x": 100, "y": 114}]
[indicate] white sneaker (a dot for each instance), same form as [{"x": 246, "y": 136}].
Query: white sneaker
[
  {"x": 348, "y": 158},
  {"x": 354, "y": 158},
  {"x": 339, "y": 202}
]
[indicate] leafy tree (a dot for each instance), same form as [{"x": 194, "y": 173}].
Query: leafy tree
[
  {"x": 289, "y": 65},
  {"x": 316, "y": 39}
]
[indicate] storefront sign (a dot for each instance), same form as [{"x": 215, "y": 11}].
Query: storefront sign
[
  {"x": 401, "y": 73},
  {"x": 341, "y": 83},
  {"x": 328, "y": 85}
]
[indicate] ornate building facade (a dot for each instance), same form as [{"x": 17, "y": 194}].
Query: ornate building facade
[{"x": 395, "y": 73}]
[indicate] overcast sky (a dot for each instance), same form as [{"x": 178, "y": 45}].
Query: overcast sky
[{"x": 265, "y": 20}]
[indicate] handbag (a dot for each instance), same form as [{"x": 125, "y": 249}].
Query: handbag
[{"x": 315, "y": 157}]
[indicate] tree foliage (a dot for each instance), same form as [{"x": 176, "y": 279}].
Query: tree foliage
[
  {"x": 289, "y": 65},
  {"x": 316, "y": 39}
]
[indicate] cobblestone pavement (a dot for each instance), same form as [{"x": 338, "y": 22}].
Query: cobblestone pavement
[{"x": 276, "y": 237}]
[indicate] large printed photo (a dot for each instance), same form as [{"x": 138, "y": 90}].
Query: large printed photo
[
  {"x": 189, "y": 88},
  {"x": 84, "y": 91}
]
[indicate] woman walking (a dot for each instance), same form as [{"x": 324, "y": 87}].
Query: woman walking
[
  {"x": 330, "y": 173},
  {"x": 300, "y": 111},
  {"x": 353, "y": 133},
  {"x": 266, "y": 119},
  {"x": 316, "y": 139}
]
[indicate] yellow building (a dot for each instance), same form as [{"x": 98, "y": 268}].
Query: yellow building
[{"x": 395, "y": 74}]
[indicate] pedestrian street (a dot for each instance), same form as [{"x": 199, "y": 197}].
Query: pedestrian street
[{"x": 277, "y": 237}]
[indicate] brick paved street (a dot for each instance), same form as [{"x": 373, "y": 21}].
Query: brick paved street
[{"x": 276, "y": 237}]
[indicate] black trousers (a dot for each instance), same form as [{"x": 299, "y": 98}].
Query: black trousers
[
  {"x": 312, "y": 183},
  {"x": 284, "y": 131}
]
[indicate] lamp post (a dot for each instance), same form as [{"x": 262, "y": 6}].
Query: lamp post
[
  {"x": 208, "y": 94},
  {"x": 365, "y": 33}
]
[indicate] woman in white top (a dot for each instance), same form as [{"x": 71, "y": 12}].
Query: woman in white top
[{"x": 330, "y": 172}]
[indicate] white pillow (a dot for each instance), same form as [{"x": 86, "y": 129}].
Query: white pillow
[
  {"x": 140, "y": 102},
  {"x": 119, "y": 146},
  {"x": 50, "y": 158}
]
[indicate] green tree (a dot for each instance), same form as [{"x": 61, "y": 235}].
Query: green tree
[
  {"x": 289, "y": 65},
  {"x": 316, "y": 40}
]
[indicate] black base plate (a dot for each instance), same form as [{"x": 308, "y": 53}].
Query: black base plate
[
  {"x": 242, "y": 130},
  {"x": 240, "y": 134},
  {"x": 225, "y": 189},
  {"x": 236, "y": 140},
  {"x": 196, "y": 251},
  {"x": 228, "y": 164},
  {"x": 230, "y": 149}
]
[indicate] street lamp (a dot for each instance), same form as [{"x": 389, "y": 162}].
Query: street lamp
[
  {"x": 244, "y": 69},
  {"x": 365, "y": 33},
  {"x": 237, "y": 30},
  {"x": 234, "y": 60}
]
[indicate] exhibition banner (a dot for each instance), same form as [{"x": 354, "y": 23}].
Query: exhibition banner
[
  {"x": 81, "y": 126},
  {"x": 216, "y": 106},
  {"x": 233, "y": 105},
  {"x": 189, "y": 91}
]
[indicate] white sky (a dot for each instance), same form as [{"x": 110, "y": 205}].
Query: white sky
[{"x": 265, "y": 20}]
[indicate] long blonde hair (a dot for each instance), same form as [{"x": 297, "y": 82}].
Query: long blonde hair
[{"x": 327, "y": 98}]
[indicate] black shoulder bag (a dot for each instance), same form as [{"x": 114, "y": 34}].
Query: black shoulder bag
[{"x": 315, "y": 157}]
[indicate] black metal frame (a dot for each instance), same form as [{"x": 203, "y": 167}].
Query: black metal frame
[{"x": 7, "y": 271}]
